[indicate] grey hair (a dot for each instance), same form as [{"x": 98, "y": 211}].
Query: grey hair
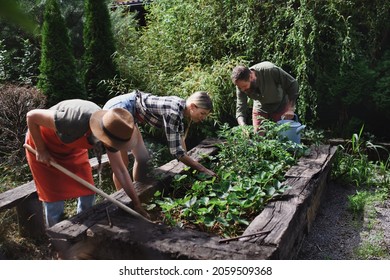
[
  {"x": 241, "y": 73},
  {"x": 201, "y": 99}
]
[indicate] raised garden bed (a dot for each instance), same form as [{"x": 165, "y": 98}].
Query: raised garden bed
[{"x": 106, "y": 232}]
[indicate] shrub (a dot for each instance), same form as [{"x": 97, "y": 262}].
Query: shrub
[{"x": 15, "y": 102}]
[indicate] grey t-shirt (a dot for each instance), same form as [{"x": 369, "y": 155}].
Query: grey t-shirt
[{"x": 71, "y": 118}]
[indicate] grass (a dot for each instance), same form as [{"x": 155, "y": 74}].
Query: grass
[
  {"x": 372, "y": 247},
  {"x": 372, "y": 244}
]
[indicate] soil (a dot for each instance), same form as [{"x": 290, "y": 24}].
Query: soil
[{"x": 337, "y": 234}]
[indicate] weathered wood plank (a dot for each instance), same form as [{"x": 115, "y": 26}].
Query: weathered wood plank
[
  {"x": 11, "y": 198},
  {"x": 94, "y": 162},
  {"x": 311, "y": 165},
  {"x": 104, "y": 160},
  {"x": 28, "y": 207},
  {"x": 288, "y": 219},
  {"x": 30, "y": 217},
  {"x": 130, "y": 239}
]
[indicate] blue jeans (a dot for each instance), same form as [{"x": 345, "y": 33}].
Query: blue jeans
[{"x": 55, "y": 210}]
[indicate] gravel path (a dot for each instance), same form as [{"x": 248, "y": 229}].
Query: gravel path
[{"x": 337, "y": 233}]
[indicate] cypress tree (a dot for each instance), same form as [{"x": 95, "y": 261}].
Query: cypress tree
[
  {"x": 58, "y": 77},
  {"x": 99, "y": 48}
]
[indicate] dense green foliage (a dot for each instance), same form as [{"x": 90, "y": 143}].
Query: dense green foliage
[
  {"x": 338, "y": 50},
  {"x": 18, "y": 65},
  {"x": 250, "y": 171},
  {"x": 58, "y": 77},
  {"x": 99, "y": 48},
  {"x": 329, "y": 46},
  {"x": 11, "y": 11},
  {"x": 20, "y": 50}
]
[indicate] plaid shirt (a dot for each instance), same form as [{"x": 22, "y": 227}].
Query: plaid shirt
[{"x": 164, "y": 112}]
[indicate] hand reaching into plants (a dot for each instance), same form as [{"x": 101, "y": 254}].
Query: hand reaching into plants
[
  {"x": 187, "y": 160},
  {"x": 142, "y": 211},
  {"x": 210, "y": 172},
  {"x": 246, "y": 130}
]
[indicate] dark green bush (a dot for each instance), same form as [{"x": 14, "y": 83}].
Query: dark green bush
[
  {"x": 99, "y": 47},
  {"x": 58, "y": 79}
]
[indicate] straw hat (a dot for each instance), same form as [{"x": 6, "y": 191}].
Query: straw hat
[{"x": 113, "y": 127}]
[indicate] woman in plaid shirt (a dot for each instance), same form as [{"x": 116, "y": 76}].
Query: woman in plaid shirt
[{"x": 168, "y": 113}]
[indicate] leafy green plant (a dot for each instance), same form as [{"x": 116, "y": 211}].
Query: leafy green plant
[
  {"x": 371, "y": 179},
  {"x": 313, "y": 136},
  {"x": 354, "y": 167},
  {"x": 250, "y": 172},
  {"x": 357, "y": 202}
]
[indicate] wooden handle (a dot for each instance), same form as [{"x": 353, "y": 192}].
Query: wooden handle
[{"x": 90, "y": 186}]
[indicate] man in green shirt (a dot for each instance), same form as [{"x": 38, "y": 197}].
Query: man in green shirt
[{"x": 273, "y": 90}]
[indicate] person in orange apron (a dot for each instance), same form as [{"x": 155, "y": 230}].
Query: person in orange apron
[{"x": 63, "y": 134}]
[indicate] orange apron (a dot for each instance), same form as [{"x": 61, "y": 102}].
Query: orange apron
[{"x": 53, "y": 185}]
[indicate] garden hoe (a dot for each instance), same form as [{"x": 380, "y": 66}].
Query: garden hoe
[{"x": 91, "y": 187}]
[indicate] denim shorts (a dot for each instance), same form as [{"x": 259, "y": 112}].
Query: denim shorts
[{"x": 125, "y": 101}]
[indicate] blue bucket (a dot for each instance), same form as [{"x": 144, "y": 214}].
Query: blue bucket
[{"x": 293, "y": 132}]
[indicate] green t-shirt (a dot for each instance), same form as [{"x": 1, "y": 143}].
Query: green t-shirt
[{"x": 274, "y": 88}]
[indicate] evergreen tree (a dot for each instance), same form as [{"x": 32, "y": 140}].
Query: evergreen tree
[
  {"x": 58, "y": 76},
  {"x": 99, "y": 48}
]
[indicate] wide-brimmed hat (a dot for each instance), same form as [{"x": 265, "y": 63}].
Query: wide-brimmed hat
[{"x": 113, "y": 127}]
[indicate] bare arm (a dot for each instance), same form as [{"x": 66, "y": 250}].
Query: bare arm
[
  {"x": 122, "y": 175},
  {"x": 187, "y": 160},
  {"x": 35, "y": 119}
]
